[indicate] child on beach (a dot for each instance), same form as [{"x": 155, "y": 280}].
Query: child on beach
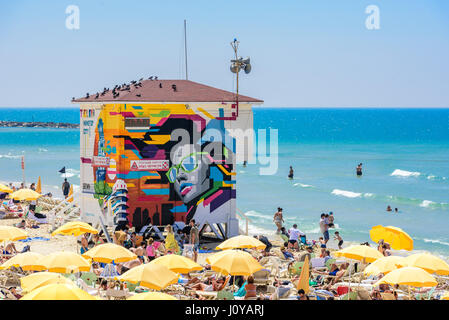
[
  {"x": 322, "y": 246},
  {"x": 331, "y": 219},
  {"x": 339, "y": 239}
]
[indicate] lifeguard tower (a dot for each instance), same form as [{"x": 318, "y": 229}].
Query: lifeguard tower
[{"x": 159, "y": 151}]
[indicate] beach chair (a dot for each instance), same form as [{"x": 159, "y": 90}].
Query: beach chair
[
  {"x": 387, "y": 296},
  {"x": 83, "y": 285},
  {"x": 352, "y": 295},
  {"x": 317, "y": 263},
  {"x": 295, "y": 269},
  {"x": 8, "y": 294},
  {"x": 225, "y": 295},
  {"x": 262, "y": 277},
  {"x": 131, "y": 286},
  {"x": 113, "y": 294},
  {"x": 89, "y": 278}
]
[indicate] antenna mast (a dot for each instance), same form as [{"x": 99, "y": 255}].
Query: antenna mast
[{"x": 185, "y": 47}]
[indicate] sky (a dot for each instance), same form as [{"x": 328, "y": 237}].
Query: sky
[{"x": 303, "y": 53}]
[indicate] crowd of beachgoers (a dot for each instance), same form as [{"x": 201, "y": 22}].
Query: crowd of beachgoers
[{"x": 281, "y": 263}]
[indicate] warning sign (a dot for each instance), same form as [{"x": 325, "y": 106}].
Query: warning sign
[
  {"x": 100, "y": 161},
  {"x": 149, "y": 165}
]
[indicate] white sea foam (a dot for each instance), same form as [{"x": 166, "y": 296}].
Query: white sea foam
[
  {"x": 436, "y": 241},
  {"x": 426, "y": 203},
  {"x": 42, "y": 150},
  {"x": 431, "y": 177},
  {"x": 302, "y": 185},
  {"x": 259, "y": 215},
  {"x": 10, "y": 156},
  {"x": 70, "y": 172},
  {"x": 404, "y": 173},
  {"x": 368, "y": 195},
  {"x": 344, "y": 193}
]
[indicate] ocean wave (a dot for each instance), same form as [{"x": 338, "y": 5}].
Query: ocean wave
[
  {"x": 10, "y": 156},
  {"x": 42, "y": 150},
  {"x": 436, "y": 241},
  {"x": 344, "y": 193},
  {"x": 426, "y": 203},
  {"x": 302, "y": 185},
  {"x": 404, "y": 173},
  {"x": 258, "y": 215}
]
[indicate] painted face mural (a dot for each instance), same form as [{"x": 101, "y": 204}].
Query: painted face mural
[
  {"x": 168, "y": 179},
  {"x": 189, "y": 173}
]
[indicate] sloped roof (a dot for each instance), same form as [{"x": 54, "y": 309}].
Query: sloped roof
[{"x": 163, "y": 91}]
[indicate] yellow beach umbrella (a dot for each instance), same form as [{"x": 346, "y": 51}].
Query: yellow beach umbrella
[
  {"x": 59, "y": 291},
  {"x": 303, "y": 282},
  {"x": 63, "y": 262},
  {"x": 39, "y": 186},
  {"x": 109, "y": 252},
  {"x": 396, "y": 237},
  {"x": 359, "y": 252},
  {"x": 40, "y": 279},
  {"x": 75, "y": 228},
  {"x": 241, "y": 242},
  {"x": 152, "y": 296},
  {"x": 150, "y": 275},
  {"x": 234, "y": 262},
  {"x": 428, "y": 262},
  {"x": 385, "y": 265},
  {"x": 411, "y": 276},
  {"x": 4, "y": 188},
  {"x": 26, "y": 261},
  {"x": 25, "y": 194},
  {"x": 9, "y": 233},
  {"x": 70, "y": 194},
  {"x": 178, "y": 264}
]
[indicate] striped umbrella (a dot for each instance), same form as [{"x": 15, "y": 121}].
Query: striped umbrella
[{"x": 109, "y": 271}]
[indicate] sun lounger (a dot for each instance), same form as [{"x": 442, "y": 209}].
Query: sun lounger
[
  {"x": 209, "y": 295},
  {"x": 117, "y": 294},
  {"x": 262, "y": 277},
  {"x": 387, "y": 296},
  {"x": 317, "y": 262},
  {"x": 225, "y": 295},
  {"x": 85, "y": 287}
]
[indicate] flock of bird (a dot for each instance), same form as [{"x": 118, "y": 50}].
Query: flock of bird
[{"x": 125, "y": 87}]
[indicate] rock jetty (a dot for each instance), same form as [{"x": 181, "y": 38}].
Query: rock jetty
[{"x": 36, "y": 124}]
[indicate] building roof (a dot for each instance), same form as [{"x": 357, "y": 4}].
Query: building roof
[{"x": 163, "y": 91}]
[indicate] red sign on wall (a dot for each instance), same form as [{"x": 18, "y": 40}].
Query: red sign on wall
[{"x": 149, "y": 165}]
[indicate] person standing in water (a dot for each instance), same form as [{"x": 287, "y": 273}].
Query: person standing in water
[
  {"x": 359, "y": 170},
  {"x": 66, "y": 188},
  {"x": 278, "y": 220},
  {"x": 290, "y": 173}
]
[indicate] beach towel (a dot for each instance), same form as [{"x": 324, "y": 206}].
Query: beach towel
[{"x": 34, "y": 238}]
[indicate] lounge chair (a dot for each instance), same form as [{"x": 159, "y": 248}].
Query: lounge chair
[
  {"x": 89, "y": 278},
  {"x": 225, "y": 295},
  {"x": 317, "y": 263},
  {"x": 262, "y": 277},
  {"x": 352, "y": 295},
  {"x": 117, "y": 294},
  {"x": 83, "y": 285},
  {"x": 387, "y": 296}
]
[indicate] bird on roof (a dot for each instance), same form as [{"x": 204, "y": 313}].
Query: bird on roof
[
  {"x": 150, "y": 78},
  {"x": 140, "y": 79},
  {"x": 87, "y": 95},
  {"x": 155, "y": 78}
]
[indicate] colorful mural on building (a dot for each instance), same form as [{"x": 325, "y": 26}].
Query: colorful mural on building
[{"x": 162, "y": 163}]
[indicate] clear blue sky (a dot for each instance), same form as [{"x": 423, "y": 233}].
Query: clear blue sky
[{"x": 304, "y": 53}]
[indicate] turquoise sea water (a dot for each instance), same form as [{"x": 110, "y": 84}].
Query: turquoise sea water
[{"x": 405, "y": 156}]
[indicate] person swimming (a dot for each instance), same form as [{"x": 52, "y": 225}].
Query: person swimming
[
  {"x": 359, "y": 170},
  {"x": 290, "y": 173},
  {"x": 389, "y": 209}
]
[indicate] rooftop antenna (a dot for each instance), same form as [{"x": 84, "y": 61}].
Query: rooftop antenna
[{"x": 185, "y": 46}]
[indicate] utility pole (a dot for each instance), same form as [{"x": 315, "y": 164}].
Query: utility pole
[{"x": 185, "y": 46}]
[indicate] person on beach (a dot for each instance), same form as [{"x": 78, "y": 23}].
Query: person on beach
[
  {"x": 278, "y": 220},
  {"x": 97, "y": 240},
  {"x": 331, "y": 219},
  {"x": 358, "y": 170},
  {"x": 339, "y": 239},
  {"x": 250, "y": 288},
  {"x": 389, "y": 209},
  {"x": 65, "y": 188},
  {"x": 171, "y": 245},
  {"x": 322, "y": 246},
  {"x": 194, "y": 239},
  {"x": 290, "y": 173},
  {"x": 266, "y": 242},
  {"x": 324, "y": 227},
  {"x": 302, "y": 295},
  {"x": 151, "y": 250},
  {"x": 396, "y": 210},
  {"x": 33, "y": 187},
  {"x": 294, "y": 234},
  {"x": 84, "y": 244}
]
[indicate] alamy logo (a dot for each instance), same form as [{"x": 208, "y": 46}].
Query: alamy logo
[
  {"x": 72, "y": 22},
  {"x": 372, "y": 22}
]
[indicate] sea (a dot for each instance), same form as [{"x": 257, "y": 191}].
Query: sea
[{"x": 405, "y": 156}]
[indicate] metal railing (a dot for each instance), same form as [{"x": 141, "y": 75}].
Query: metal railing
[{"x": 242, "y": 216}]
